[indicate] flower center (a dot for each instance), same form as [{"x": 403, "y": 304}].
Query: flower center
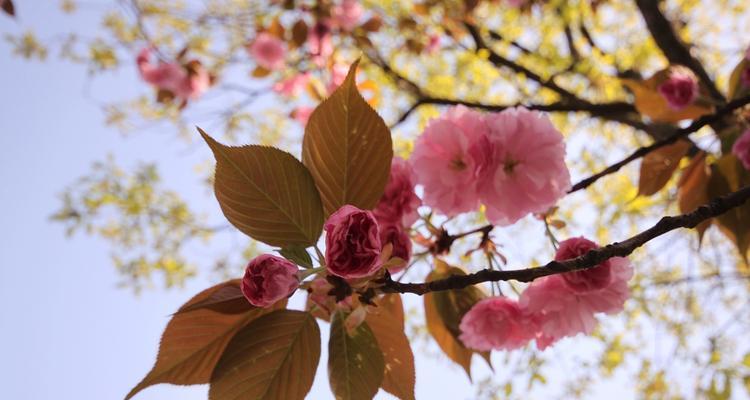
[
  {"x": 509, "y": 165},
  {"x": 457, "y": 164}
]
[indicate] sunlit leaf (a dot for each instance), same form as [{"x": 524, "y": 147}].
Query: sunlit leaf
[
  {"x": 387, "y": 324},
  {"x": 649, "y": 102},
  {"x": 274, "y": 357},
  {"x": 355, "y": 362},
  {"x": 443, "y": 313},
  {"x": 267, "y": 194},
  {"x": 728, "y": 175},
  {"x": 692, "y": 189},
  {"x": 658, "y": 166},
  {"x": 348, "y": 149},
  {"x": 194, "y": 340}
]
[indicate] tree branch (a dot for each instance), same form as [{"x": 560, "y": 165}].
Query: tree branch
[
  {"x": 673, "y": 48},
  {"x": 681, "y": 133},
  {"x": 712, "y": 209}
]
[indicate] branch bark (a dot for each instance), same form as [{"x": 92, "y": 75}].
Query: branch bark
[{"x": 712, "y": 209}]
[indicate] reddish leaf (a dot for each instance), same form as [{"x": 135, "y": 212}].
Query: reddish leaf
[
  {"x": 227, "y": 298},
  {"x": 8, "y": 7},
  {"x": 299, "y": 33},
  {"x": 727, "y": 176},
  {"x": 194, "y": 340},
  {"x": 274, "y": 357},
  {"x": 659, "y": 165},
  {"x": 387, "y": 323},
  {"x": 692, "y": 189}
]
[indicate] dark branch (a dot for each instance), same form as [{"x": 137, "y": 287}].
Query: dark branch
[
  {"x": 673, "y": 48},
  {"x": 714, "y": 208},
  {"x": 681, "y": 133}
]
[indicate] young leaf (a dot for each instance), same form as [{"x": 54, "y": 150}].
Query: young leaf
[
  {"x": 194, "y": 340},
  {"x": 355, "y": 363},
  {"x": 267, "y": 194},
  {"x": 225, "y": 298},
  {"x": 387, "y": 324},
  {"x": 297, "y": 255},
  {"x": 8, "y": 7},
  {"x": 692, "y": 189},
  {"x": 274, "y": 357},
  {"x": 348, "y": 149},
  {"x": 658, "y": 166},
  {"x": 728, "y": 175},
  {"x": 443, "y": 312}
]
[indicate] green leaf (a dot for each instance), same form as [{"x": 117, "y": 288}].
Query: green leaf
[
  {"x": 275, "y": 357},
  {"x": 355, "y": 363},
  {"x": 348, "y": 149},
  {"x": 297, "y": 255},
  {"x": 195, "y": 338},
  {"x": 267, "y": 194},
  {"x": 727, "y": 176},
  {"x": 387, "y": 324}
]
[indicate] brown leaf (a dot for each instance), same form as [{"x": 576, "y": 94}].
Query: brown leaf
[
  {"x": 260, "y": 72},
  {"x": 227, "y": 298},
  {"x": 274, "y": 357},
  {"x": 658, "y": 166},
  {"x": 299, "y": 33},
  {"x": 736, "y": 87},
  {"x": 276, "y": 29},
  {"x": 387, "y": 323},
  {"x": 692, "y": 189},
  {"x": 649, "y": 102},
  {"x": 194, "y": 340},
  {"x": 444, "y": 312},
  {"x": 728, "y": 175},
  {"x": 373, "y": 24},
  {"x": 355, "y": 362},
  {"x": 8, "y": 7},
  {"x": 267, "y": 194},
  {"x": 348, "y": 149}
]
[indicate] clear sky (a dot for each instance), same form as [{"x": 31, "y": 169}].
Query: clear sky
[{"x": 67, "y": 331}]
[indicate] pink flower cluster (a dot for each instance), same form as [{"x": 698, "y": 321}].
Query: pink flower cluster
[
  {"x": 185, "y": 82},
  {"x": 268, "y": 51},
  {"x": 397, "y": 210},
  {"x": 512, "y": 161},
  {"x": 352, "y": 243},
  {"x": 741, "y": 149},
  {"x": 680, "y": 89},
  {"x": 552, "y": 307}
]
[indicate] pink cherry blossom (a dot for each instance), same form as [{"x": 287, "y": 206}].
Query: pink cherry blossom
[
  {"x": 268, "y": 51},
  {"x": 433, "y": 44},
  {"x": 680, "y": 89},
  {"x": 302, "y": 114},
  {"x": 397, "y": 236},
  {"x": 184, "y": 82},
  {"x": 169, "y": 76},
  {"x": 293, "y": 85},
  {"x": 268, "y": 279},
  {"x": 587, "y": 280},
  {"x": 399, "y": 203},
  {"x": 352, "y": 243},
  {"x": 566, "y": 306},
  {"x": 347, "y": 14},
  {"x": 443, "y": 163},
  {"x": 319, "y": 41},
  {"x": 521, "y": 165},
  {"x": 741, "y": 149},
  {"x": 338, "y": 74},
  {"x": 496, "y": 323}
]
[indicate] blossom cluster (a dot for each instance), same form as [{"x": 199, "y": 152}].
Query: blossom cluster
[
  {"x": 183, "y": 82},
  {"x": 512, "y": 162}
]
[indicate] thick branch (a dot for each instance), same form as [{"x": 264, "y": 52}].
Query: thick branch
[
  {"x": 673, "y": 48},
  {"x": 681, "y": 133},
  {"x": 714, "y": 208}
]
